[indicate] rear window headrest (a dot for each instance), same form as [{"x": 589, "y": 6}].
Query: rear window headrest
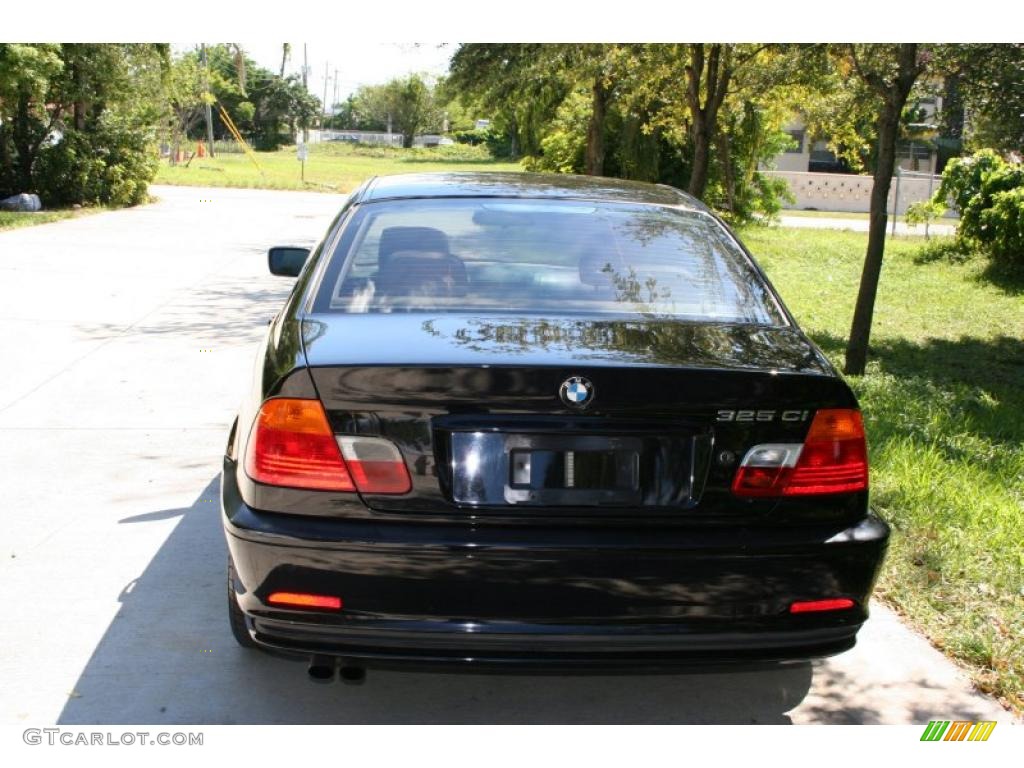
[
  {"x": 408, "y": 273},
  {"x": 394, "y": 239}
]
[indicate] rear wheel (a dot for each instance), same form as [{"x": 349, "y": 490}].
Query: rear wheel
[{"x": 236, "y": 618}]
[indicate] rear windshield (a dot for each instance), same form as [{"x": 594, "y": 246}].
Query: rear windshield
[{"x": 542, "y": 257}]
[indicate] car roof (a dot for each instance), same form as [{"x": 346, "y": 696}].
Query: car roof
[{"x": 522, "y": 185}]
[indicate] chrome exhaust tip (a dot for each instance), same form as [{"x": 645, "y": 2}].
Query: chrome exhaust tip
[
  {"x": 321, "y": 669},
  {"x": 351, "y": 675}
]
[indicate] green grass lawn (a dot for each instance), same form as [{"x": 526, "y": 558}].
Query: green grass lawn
[
  {"x": 335, "y": 166},
  {"x": 851, "y": 215},
  {"x": 10, "y": 220},
  {"x": 944, "y": 406}
]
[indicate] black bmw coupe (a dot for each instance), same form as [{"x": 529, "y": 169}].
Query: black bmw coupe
[{"x": 530, "y": 421}]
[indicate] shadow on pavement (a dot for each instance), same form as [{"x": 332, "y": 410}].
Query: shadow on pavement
[{"x": 168, "y": 657}]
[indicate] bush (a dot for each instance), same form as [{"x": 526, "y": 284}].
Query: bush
[
  {"x": 562, "y": 153},
  {"x": 498, "y": 143},
  {"x": 564, "y": 146},
  {"x": 962, "y": 177},
  {"x": 992, "y": 218},
  {"x": 111, "y": 165},
  {"x": 925, "y": 212},
  {"x": 453, "y": 153},
  {"x": 1002, "y": 225},
  {"x": 989, "y": 193}
]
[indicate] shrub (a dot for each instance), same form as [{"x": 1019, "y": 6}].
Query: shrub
[
  {"x": 562, "y": 152},
  {"x": 989, "y": 193},
  {"x": 962, "y": 177},
  {"x": 925, "y": 212},
  {"x": 563, "y": 147},
  {"x": 992, "y": 218},
  {"x": 111, "y": 165},
  {"x": 497, "y": 142},
  {"x": 1002, "y": 225}
]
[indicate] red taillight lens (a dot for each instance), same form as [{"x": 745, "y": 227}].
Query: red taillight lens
[
  {"x": 835, "y": 455},
  {"x": 832, "y": 459},
  {"x": 376, "y": 464},
  {"x": 817, "y": 606},
  {"x": 292, "y": 445},
  {"x": 303, "y": 600}
]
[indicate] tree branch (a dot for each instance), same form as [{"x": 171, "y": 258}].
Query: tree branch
[
  {"x": 873, "y": 79},
  {"x": 694, "y": 72}
]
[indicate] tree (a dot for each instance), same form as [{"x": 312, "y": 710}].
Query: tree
[
  {"x": 653, "y": 112},
  {"x": 286, "y": 52},
  {"x": 406, "y": 104},
  {"x": 26, "y": 72},
  {"x": 519, "y": 87},
  {"x": 188, "y": 90},
  {"x": 241, "y": 63},
  {"x": 990, "y": 80},
  {"x": 281, "y": 104},
  {"x": 269, "y": 109},
  {"x": 411, "y": 105},
  {"x": 76, "y": 119},
  {"x": 710, "y": 75},
  {"x": 889, "y": 72}
]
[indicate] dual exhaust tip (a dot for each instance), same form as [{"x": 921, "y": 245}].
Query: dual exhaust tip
[{"x": 322, "y": 668}]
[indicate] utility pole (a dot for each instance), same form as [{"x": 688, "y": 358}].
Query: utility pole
[
  {"x": 335, "y": 99},
  {"x": 323, "y": 118},
  {"x": 305, "y": 88},
  {"x": 206, "y": 90},
  {"x": 896, "y": 199}
]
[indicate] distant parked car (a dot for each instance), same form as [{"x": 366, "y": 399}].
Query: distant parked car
[{"x": 520, "y": 420}]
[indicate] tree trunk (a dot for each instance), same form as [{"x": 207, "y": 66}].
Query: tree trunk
[
  {"x": 701, "y": 160},
  {"x": 860, "y": 331},
  {"x": 5, "y": 161},
  {"x": 207, "y": 108},
  {"x": 725, "y": 151},
  {"x": 79, "y": 107},
  {"x": 594, "y": 159},
  {"x": 23, "y": 144},
  {"x": 513, "y": 140},
  {"x": 888, "y": 131},
  {"x": 704, "y": 118}
]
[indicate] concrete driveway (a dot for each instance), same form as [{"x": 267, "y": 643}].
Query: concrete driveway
[{"x": 127, "y": 341}]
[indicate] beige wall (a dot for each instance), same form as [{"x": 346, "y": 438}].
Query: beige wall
[
  {"x": 847, "y": 192},
  {"x": 792, "y": 161}
]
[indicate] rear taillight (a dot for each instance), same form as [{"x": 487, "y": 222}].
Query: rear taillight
[
  {"x": 293, "y": 446},
  {"x": 376, "y": 464},
  {"x": 832, "y": 459}
]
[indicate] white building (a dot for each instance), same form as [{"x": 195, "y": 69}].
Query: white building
[{"x": 816, "y": 157}]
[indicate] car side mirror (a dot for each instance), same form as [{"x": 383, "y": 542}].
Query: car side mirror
[{"x": 286, "y": 260}]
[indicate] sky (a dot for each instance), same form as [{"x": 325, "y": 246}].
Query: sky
[{"x": 357, "y": 63}]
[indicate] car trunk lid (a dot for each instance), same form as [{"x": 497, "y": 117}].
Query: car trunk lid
[{"x": 477, "y": 408}]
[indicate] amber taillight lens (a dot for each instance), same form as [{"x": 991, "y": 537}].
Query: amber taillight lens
[{"x": 292, "y": 445}]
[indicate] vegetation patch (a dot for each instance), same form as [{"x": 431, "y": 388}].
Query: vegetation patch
[
  {"x": 943, "y": 400},
  {"x": 11, "y": 220},
  {"x": 332, "y": 167}
]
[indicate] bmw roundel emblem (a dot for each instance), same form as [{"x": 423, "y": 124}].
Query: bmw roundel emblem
[{"x": 577, "y": 392}]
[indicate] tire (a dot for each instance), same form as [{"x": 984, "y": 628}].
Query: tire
[{"x": 239, "y": 629}]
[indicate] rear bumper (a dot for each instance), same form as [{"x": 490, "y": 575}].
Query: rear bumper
[
  {"x": 533, "y": 647},
  {"x": 565, "y": 598}
]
